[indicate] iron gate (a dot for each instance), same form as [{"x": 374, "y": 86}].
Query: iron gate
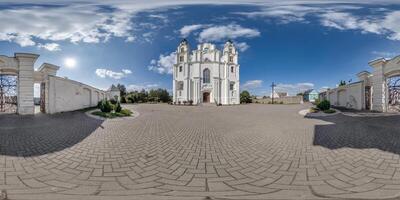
[
  {"x": 8, "y": 93},
  {"x": 394, "y": 94}
]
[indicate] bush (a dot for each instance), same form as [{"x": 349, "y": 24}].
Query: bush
[
  {"x": 329, "y": 111},
  {"x": 281, "y": 102},
  {"x": 184, "y": 102},
  {"x": 324, "y": 105},
  {"x": 118, "y": 107},
  {"x": 190, "y": 102},
  {"x": 113, "y": 101},
  {"x": 123, "y": 100},
  {"x": 245, "y": 97},
  {"x": 105, "y": 106}
]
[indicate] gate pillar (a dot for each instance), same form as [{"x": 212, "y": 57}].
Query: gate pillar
[{"x": 25, "y": 82}]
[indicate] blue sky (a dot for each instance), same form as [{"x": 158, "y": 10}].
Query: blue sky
[{"x": 297, "y": 46}]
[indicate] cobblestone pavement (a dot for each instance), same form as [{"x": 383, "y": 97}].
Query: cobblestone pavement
[{"x": 177, "y": 152}]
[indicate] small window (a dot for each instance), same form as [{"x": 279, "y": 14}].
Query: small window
[
  {"x": 182, "y": 49},
  {"x": 180, "y": 85},
  {"x": 230, "y": 58},
  {"x": 232, "y": 86},
  {"x": 180, "y": 92},
  {"x": 180, "y": 68},
  {"x": 180, "y": 58},
  {"x": 232, "y": 69},
  {"x": 230, "y": 50}
]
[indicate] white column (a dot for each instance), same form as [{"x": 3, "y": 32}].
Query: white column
[
  {"x": 379, "y": 92},
  {"x": 25, "y": 82}
]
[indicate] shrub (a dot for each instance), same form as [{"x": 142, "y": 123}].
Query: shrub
[
  {"x": 184, "y": 102},
  {"x": 99, "y": 104},
  {"x": 324, "y": 105},
  {"x": 245, "y": 97},
  {"x": 179, "y": 102},
  {"x": 123, "y": 100},
  {"x": 329, "y": 111},
  {"x": 281, "y": 102},
  {"x": 118, "y": 107},
  {"x": 105, "y": 106},
  {"x": 113, "y": 101},
  {"x": 190, "y": 102}
]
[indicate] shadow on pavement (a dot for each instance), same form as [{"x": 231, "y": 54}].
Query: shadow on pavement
[
  {"x": 40, "y": 134},
  {"x": 380, "y": 132}
]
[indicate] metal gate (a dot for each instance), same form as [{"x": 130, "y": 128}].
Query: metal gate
[
  {"x": 8, "y": 93},
  {"x": 394, "y": 94}
]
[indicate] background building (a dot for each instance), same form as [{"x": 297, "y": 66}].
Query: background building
[{"x": 310, "y": 95}]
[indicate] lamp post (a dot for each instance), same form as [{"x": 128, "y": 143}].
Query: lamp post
[{"x": 272, "y": 94}]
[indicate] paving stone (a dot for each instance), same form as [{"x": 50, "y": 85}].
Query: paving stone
[{"x": 233, "y": 152}]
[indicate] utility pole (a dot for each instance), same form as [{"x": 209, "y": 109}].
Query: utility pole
[{"x": 273, "y": 91}]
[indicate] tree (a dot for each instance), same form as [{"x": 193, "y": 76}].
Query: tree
[
  {"x": 245, "y": 97},
  {"x": 342, "y": 83},
  {"x": 122, "y": 89}
]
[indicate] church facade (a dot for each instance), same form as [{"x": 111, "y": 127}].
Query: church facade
[{"x": 206, "y": 75}]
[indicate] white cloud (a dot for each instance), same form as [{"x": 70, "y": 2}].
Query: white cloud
[
  {"x": 385, "y": 54},
  {"x": 103, "y": 73},
  {"x": 126, "y": 71},
  {"x": 70, "y": 22},
  {"x": 186, "y": 30},
  {"x": 323, "y": 89},
  {"x": 138, "y": 87},
  {"x": 252, "y": 84},
  {"x": 164, "y": 64},
  {"x": 293, "y": 89},
  {"x": 50, "y": 46},
  {"x": 387, "y": 25},
  {"x": 89, "y": 22},
  {"x": 232, "y": 31},
  {"x": 242, "y": 46}
]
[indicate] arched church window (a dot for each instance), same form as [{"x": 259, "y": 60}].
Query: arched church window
[
  {"x": 180, "y": 85},
  {"x": 232, "y": 69},
  {"x": 182, "y": 49},
  {"x": 180, "y": 58},
  {"x": 180, "y": 68},
  {"x": 206, "y": 76},
  {"x": 230, "y": 58}
]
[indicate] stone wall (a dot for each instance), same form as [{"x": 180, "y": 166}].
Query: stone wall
[{"x": 284, "y": 100}]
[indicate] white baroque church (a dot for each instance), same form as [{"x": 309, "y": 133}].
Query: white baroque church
[{"x": 206, "y": 75}]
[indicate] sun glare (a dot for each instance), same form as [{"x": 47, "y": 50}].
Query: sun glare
[{"x": 70, "y": 62}]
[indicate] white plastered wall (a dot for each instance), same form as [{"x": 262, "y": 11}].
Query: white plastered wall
[{"x": 69, "y": 95}]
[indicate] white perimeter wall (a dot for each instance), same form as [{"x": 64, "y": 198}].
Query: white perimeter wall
[
  {"x": 69, "y": 95},
  {"x": 349, "y": 96}
]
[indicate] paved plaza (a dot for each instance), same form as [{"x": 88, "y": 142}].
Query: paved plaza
[{"x": 200, "y": 152}]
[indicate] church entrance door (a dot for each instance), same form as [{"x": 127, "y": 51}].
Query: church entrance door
[{"x": 206, "y": 97}]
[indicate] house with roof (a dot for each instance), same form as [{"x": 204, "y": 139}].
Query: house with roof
[{"x": 310, "y": 95}]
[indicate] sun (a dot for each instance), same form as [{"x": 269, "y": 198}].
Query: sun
[{"x": 70, "y": 62}]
